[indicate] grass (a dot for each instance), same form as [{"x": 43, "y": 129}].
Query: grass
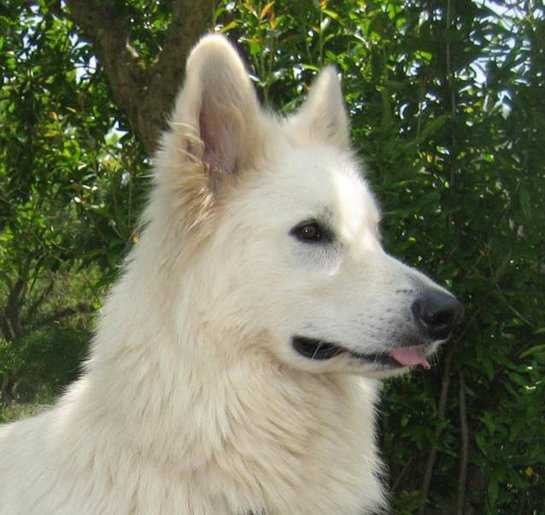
[{"x": 19, "y": 410}]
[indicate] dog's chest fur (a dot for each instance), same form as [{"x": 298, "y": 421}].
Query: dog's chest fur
[
  {"x": 282, "y": 442},
  {"x": 307, "y": 449}
]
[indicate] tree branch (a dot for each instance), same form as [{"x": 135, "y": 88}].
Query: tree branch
[
  {"x": 33, "y": 308},
  {"x": 12, "y": 311},
  {"x": 464, "y": 434},
  {"x": 146, "y": 95},
  {"x": 105, "y": 28},
  {"x": 7, "y": 279},
  {"x": 63, "y": 313},
  {"x": 401, "y": 475},
  {"x": 432, "y": 456},
  {"x": 445, "y": 384},
  {"x": 5, "y": 330}
]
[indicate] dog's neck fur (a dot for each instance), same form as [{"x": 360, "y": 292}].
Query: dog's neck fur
[{"x": 213, "y": 411}]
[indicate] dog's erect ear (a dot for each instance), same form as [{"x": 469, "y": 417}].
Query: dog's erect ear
[
  {"x": 217, "y": 111},
  {"x": 322, "y": 117}
]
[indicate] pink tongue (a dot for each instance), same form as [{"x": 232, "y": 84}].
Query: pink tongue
[{"x": 410, "y": 356}]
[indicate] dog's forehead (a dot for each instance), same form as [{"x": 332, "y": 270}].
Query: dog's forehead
[{"x": 322, "y": 181}]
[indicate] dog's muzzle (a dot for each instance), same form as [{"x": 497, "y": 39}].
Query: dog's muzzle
[{"x": 435, "y": 313}]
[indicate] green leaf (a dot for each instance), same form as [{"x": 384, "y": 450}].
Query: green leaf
[
  {"x": 536, "y": 349},
  {"x": 525, "y": 202}
]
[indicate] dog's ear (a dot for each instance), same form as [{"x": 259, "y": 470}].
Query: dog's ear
[
  {"x": 217, "y": 113},
  {"x": 322, "y": 116}
]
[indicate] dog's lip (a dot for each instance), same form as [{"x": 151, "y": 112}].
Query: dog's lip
[
  {"x": 313, "y": 348},
  {"x": 322, "y": 350}
]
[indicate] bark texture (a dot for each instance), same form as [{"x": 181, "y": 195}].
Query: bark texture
[{"x": 145, "y": 92}]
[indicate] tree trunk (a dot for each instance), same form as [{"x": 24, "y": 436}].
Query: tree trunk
[
  {"x": 7, "y": 391},
  {"x": 145, "y": 92}
]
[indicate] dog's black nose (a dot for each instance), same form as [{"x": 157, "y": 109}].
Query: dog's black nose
[{"x": 437, "y": 313}]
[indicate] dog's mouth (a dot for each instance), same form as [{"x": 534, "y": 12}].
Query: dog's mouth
[{"x": 397, "y": 357}]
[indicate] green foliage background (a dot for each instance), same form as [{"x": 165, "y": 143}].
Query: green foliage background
[{"x": 448, "y": 111}]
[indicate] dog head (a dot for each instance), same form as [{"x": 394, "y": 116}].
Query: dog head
[{"x": 289, "y": 259}]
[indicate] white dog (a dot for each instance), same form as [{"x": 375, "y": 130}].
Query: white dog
[{"x": 234, "y": 362}]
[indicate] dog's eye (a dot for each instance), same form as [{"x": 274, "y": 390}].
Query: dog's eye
[{"x": 311, "y": 232}]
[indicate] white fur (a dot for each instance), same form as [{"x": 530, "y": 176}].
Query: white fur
[{"x": 193, "y": 400}]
